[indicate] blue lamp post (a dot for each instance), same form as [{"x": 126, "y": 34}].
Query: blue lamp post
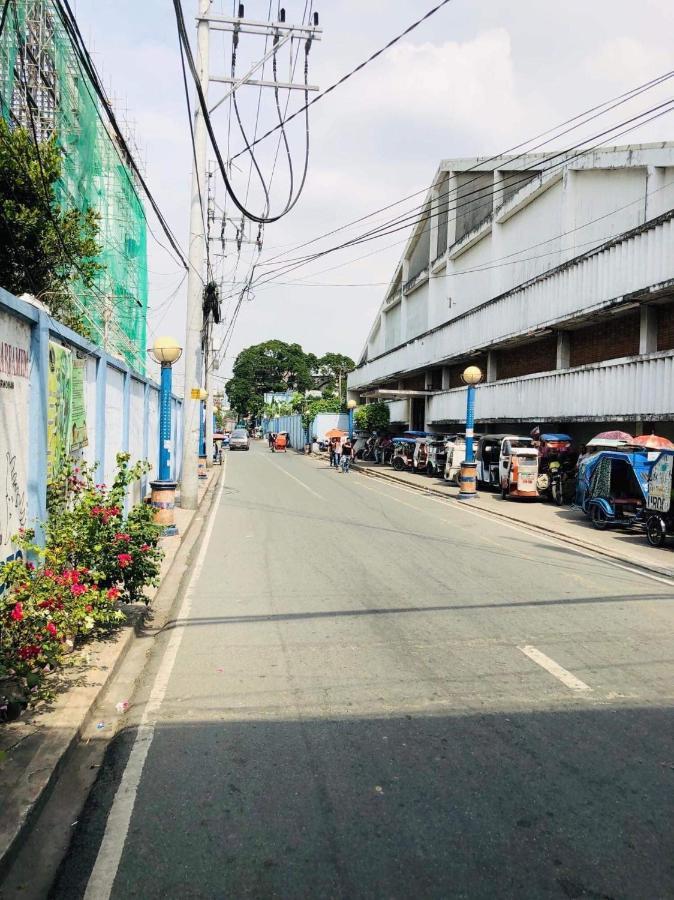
[
  {"x": 351, "y": 405},
  {"x": 467, "y": 477},
  {"x": 166, "y": 352},
  {"x": 203, "y": 394}
]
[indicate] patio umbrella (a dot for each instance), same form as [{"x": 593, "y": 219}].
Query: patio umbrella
[
  {"x": 334, "y": 432},
  {"x": 652, "y": 442}
]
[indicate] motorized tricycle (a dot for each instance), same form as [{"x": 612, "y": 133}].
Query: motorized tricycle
[
  {"x": 556, "y": 468},
  {"x": 488, "y": 455},
  {"x": 436, "y": 459},
  {"x": 613, "y": 487},
  {"x": 456, "y": 453},
  {"x": 659, "y": 514},
  {"x": 403, "y": 453},
  {"x": 420, "y": 457},
  {"x": 518, "y": 470}
]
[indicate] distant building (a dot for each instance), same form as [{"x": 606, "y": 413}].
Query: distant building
[{"x": 558, "y": 283}]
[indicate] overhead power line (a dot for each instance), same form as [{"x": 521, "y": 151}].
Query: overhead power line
[
  {"x": 348, "y": 75},
  {"x": 383, "y": 231},
  {"x": 604, "y": 107},
  {"x": 241, "y": 206}
]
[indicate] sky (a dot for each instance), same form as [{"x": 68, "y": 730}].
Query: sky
[{"x": 479, "y": 77}]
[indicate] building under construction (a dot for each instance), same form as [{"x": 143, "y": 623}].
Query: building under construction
[{"x": 42, "y": 78}]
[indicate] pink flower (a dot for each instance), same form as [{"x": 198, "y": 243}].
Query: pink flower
[
  {"x": 88, "y": 608},
  {"x": 122, "y": 537},
  {"x": 17, "y": 612},
  {"x": 51, "y": 628},
  {"x": 30, "y": 651},
  {"x": 145, "y": 547},
  {"x": 30, "y": 566},
  {"x": 113, "y": 593},
  {"x": 124, "y": 559},
  {"x": 78, "y": 589}
]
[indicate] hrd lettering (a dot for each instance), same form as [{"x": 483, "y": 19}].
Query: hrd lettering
[{"x": 13, "y": 360}]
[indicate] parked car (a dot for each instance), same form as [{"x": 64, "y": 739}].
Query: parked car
[{"x": 239, "y": 440}]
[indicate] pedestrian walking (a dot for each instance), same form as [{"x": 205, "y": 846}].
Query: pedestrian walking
[
  {"x": 270, "y": 439},
  {"x": 338, "y": 453},
  {"x": 347, "y": 453},
  {"x": 331, "y": 449}
]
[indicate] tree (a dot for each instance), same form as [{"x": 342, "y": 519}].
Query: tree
[
  {"x": 263, "y": 368},
  {"x": 45, "y": 249},
  {"x": 373, "y": 416},
  {"x": 332, "y": 370}
]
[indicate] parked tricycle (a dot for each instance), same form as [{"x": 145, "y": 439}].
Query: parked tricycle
[
  {"x": 488, "y": 456},
  {"x": 403, "y": 453},
  {"x": 436, "y": 459},
  {"x": 613, "y": 486},
  {"x": 659, "y": 514},
  {"x": 518, "y": 471},
  {"x": 556, "y": 468},
  {"x": 456, "y": 453}
]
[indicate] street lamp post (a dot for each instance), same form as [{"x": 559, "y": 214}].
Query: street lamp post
[
  {"x": 203, "y": 455},
  {"x": 351, "y": 405},
  {"x": 467, "y": 477},
  {"x": 166, "y": 352}
]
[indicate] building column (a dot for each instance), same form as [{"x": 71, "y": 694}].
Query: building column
[
  {"x": 492, "y": 366},
  {"x": 656, "y": 198},
  {"x": 563, "y": 350},
  {"x": 648, "y": 330},
  {"x": 568, "y": 218},
  {"x": 446, "y": 374},
  {"x": 452, "y": 193},
  {"x": 402, "y": 337}
]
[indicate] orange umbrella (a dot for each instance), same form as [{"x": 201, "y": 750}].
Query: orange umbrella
[
  {"x": 335, "y": 432},
  {"x": 652, "y": 442}
]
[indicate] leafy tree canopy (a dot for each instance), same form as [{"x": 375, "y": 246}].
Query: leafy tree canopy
[
  {"x": 275, "y": 366},
  {"x": 45, "y": 249},
  {"x": 373, "y": 416},
  {"x": 332, "y": 368}
]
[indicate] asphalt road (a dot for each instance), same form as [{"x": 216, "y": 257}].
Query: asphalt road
[{"x": 371, "y": 694}]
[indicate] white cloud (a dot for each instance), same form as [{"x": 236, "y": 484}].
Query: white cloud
[{"x": 627, "y": 60}]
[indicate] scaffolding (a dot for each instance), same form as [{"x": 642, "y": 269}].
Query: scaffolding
[{"x": 40, "y": 74}]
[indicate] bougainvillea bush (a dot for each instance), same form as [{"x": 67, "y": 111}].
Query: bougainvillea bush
[{"x": 95, "y": 557}]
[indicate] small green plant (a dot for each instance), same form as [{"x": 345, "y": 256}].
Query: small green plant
[
  {"x": 95, "y": 557},
  {"x": 87, "y": 527}
]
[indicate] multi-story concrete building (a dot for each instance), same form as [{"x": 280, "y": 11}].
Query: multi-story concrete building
[{"x": 556, "y": 277}]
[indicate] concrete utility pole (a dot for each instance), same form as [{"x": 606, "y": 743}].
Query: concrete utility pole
[
  {"x": 209, "y": 387},
  {"x": 189, "y": 484}
]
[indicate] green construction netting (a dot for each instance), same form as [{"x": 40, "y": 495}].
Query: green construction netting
[{"x": 94, "y": 176}]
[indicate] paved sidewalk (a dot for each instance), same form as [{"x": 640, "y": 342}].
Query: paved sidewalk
[
  {"x": 564, "y": 522},
  {"x": 34, "y": 747}
]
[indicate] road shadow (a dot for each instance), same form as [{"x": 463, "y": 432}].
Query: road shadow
[{"x": 548, "y": 804}]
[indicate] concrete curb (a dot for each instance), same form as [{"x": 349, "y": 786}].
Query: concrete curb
[
  {"x": 37, "y": 759},
  {"x": 567, "y": 539}
]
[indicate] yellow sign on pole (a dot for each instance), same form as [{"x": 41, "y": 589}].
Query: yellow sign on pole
[{"x": 196, "y": 393}]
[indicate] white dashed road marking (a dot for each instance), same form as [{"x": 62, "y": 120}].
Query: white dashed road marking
[{"x": 561, "y": 674}]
